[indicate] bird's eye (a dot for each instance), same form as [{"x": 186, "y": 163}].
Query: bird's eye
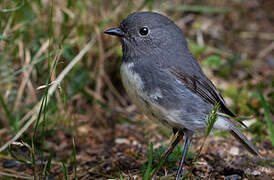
[{"x": 143, "y": 31}]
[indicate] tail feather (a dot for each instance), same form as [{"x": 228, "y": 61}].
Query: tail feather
[{"x": 242, "y": 139}]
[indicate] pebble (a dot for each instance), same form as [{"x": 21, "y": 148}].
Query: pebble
[
  {"x": 122, "y": 141},
  {"x": 234, "y": 151},
  {"x": 256, "y": 173},
  {"x": 270, "y": 61},
  {"x": 233, "y": 177},
  {"x": 11, "y": 163},
  {"x": 184, "y": 171},
  {"x": 50, "y": 177}
]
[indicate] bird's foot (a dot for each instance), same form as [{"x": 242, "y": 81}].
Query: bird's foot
[{"x": 182, "y": 173}]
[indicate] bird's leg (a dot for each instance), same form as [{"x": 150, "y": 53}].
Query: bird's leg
[
  {"x": 178, "y": 135},
  {"x": 186, "y": 146},
  {"x": 174, "y": 130}
]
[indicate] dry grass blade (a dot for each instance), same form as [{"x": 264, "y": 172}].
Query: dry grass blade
[
  {"x": 15, "y": 176},
  {"x": 28, "y": 71},
  {"x": 96, "y": 96},
  {"x": 112, "y": 88},
  {"x": 100, "y": 62},
  {"x": 52, "y": 88},
  {"x": 24, "y": 81},
  {"x": 266, "y": 51}
]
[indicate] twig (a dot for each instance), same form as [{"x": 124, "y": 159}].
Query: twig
[
  {"x": 51, "y": 90},
  {"x": 260, "y": 35},
  {"x": 27, "y": 72},
  {"x": 266, "y": 50},
  {"x": 15, "y": 176},
  {"x": 112, "y": 88},
  {"x": 24, "y": 80},
  {"x": 96, "y": 96}
]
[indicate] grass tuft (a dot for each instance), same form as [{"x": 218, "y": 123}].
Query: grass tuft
[{"x": 266, "y": 107}]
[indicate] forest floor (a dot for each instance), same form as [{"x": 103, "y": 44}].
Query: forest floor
[{"x": 235, "y": 47}]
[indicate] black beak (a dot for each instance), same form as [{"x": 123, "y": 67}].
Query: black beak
[{"x": 115, "y": 31}]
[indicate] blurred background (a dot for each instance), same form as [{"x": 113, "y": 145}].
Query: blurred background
[{"x": 64, "y": 113}]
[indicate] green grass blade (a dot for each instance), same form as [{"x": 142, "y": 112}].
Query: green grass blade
[
  {"x": 212, "y": 119},
  {"x": 3, "y": 37},
  {"x": 65, "y": 171},
  {"x": 74, "y": 159},
  {"x": 12, "y": 120},
  {"x": 26, "y": 67},
  {"x": 39, "y": 116},
  {"x": 48, "y": 165},
  {"x": 13, "y": 9},
  {"x": 150, "y": 160},
  {"x": 160, "y": 164},
  {"x": 266, "y": 108},
  {"x": 210, "y": 124}
]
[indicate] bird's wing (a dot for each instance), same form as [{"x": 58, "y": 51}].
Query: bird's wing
[{"x": 203, "y": 87}]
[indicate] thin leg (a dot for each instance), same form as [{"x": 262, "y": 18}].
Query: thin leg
[
  {"x": 186, "y": 146},
  {"x": 170, "y": 149},
  {"x": 175, "y": 140}
]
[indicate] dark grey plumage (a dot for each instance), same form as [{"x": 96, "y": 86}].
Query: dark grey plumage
[{"x": 164, "y": 80}]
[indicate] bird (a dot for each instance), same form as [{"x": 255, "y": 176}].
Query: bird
[{"x": 165, "y": 81}]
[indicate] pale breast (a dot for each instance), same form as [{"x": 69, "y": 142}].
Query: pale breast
[
  {"x": 134, "y": 86},
  {"x": 132, "y": 82}
]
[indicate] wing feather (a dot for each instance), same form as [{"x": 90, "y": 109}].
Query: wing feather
[{"x": 204, "y": 88}]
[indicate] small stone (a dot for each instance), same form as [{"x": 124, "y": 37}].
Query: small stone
[
  {"x": 233, "y": 177},
  {"x": 234, "y": 151},
  {"x": 256, "y": 173},
  {"x": 184, "y": 171},
  {"x": 11, "y": 163},
  {"x": 50, "y": 177},
  {"x": 270, "y": 61},
  {"x": 121, "y": 141}
]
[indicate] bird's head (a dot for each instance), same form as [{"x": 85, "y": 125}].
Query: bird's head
[{"x": 147, "y": 33}]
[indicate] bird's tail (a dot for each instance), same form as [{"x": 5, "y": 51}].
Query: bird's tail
[{"x": 234, "y": 130}]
